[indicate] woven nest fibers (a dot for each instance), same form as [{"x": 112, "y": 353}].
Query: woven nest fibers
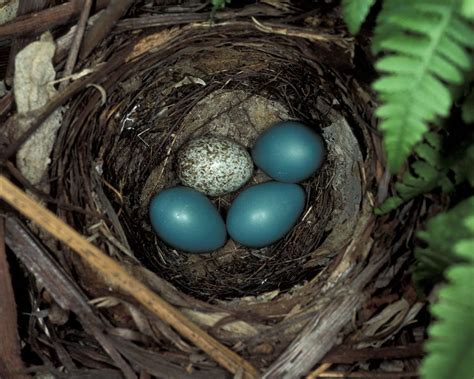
[
  {"x": 235, "y": 87},
  {"x": 114, "y": 154}
]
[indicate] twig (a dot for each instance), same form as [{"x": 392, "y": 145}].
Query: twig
[
  {"x": 76, "y": 43},
  {"x": 10, "y": 362},
  {"x": 369, "y": 374},
  {"x": 117, "y": 277},
  {"x": 292, "y": 31},
  {"x": 187, "y": 18},
  {"x": 319, "y": 372},
  {"x": 56, "y": 281},
  {"x": 103, "y": 25},
  {"x": 347, "y": 356},
  {"x": 41, "y": 21}
]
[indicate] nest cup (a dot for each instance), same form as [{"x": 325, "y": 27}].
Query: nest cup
[{"x": 231, "y": 80}]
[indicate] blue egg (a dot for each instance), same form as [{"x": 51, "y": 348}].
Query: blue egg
[
  {"x": 187, "y": 220},
  {"x": 264, "y": 213},
  {"x": 289, "y": 152}
]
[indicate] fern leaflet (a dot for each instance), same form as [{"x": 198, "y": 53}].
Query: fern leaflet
[
  {"x": 218, "y": 4},
  {"x": 442, "y": 233},
  {"x": 426, "y": 42},
  {"x": 355, "y": 12},
  {"x": 467, "y": 8},
  {"x": 450, "y": 351},
  {"x": 426, "y": 174},
  {"x": 463, "y": 168}
]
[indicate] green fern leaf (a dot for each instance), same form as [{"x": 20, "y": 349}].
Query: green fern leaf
[
  {"x": 450, "y": 351},
  {"x": 389, "y": 204},
  {"x": 463, "y": 168},
  {"x": 425, "y": 42},
  {"x": 467, "y": 8},
  {"x": 428, "y": 173},
  {"x": 216, "y": 5},
  {"x": 441, "y": 234},
  {"x": 355, "y": 12},
  {"x": 435, "y": 168}
]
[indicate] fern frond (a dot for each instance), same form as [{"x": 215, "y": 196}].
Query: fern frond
[
  {"x": 425, "y": 42},
  {"x": 355, "y": 12},
  {"x": 463, "y": 168},
  {"x": 450, "y": 351},
  {"x": 435, "y": 168},
  {"x": 441, "y": 234},
  {"x": 426, "y": 174}
]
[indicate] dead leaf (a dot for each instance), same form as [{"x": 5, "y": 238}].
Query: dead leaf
[
  {"x": 34, "y": 74},
  {"x": 8, "y": 9},
  {"x": 152, "y": 41}
]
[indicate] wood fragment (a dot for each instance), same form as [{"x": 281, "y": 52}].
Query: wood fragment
[
  {"x": 103, "y": 25},
  {"x": 346, "y": 355},
  {"x": 11, "y": 364},
  {"x": 41, "y": 21},
  {"x": 117, "y": 277}
]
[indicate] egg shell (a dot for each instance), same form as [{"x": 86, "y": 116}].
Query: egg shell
[
  {"x": 187, "y": 220},
  {"x": 289, "y": 152},
  {"x": 214, "y": 165},
  {"x": 264, "y": 213}
]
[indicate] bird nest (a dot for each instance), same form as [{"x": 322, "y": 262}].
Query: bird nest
[
  {"x": 117, "y": 148},
  {"x": 236, "y": 85}
]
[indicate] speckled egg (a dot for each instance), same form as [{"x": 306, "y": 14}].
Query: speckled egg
[{"x": 214, "y": 165}]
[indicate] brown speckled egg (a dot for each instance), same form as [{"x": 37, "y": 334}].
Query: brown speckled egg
[{"x": 214, "y": 165}]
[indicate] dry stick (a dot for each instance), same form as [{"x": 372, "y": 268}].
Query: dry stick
[
  {"x": 319, "y": 371},
  {"x": 103, "y": 25},
  {"x": 76, "y": 43},
  {"x": 347, "y": 355},
  {"x": 116, "y": 276},
  {"x": 369, "y": 374},
  {"x": 41, "y": 21},
  {"x": 10, "y": 362}
]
